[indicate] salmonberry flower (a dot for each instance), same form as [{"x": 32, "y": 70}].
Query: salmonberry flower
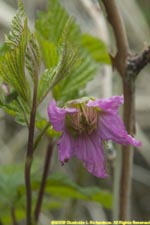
[{"x": 85, "y": 124}]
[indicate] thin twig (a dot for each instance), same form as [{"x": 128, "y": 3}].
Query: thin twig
[{"x": 43, "y": 182}]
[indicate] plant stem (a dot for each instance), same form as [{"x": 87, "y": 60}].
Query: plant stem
[
  {"x": 43, "y": 182},
  {"x": 127, "y": 151},
  {"x": 116, "y": 21},
  {"x": 120, "y": 63},
  {"x": 29, "y": 156},
  {"x": 13, "y": 216}
]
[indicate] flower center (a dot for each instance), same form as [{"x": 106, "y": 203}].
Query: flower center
[{"x": 84, "y": 121}]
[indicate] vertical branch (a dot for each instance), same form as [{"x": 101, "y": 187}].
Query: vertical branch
[
  {"x": 43, "y": 182},
  {"x": 120, "y": 63},
  {"x": 116, "y": 21},
  {"x": 127, "y": 151},
  {"x": 29, "y": 156},
  {"x": 129, "y": 68}
]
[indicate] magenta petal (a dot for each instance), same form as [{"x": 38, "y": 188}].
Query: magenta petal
[
  {"x": 111, "y": 127},
  {"x": 89, "y": 150},
  {"x": 57, "y": 115},
  {"x": 65, "y": 147},
  {"x": 107, "y": 104}
]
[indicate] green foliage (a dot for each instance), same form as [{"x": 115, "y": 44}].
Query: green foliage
[
  {"x": 70, "y": 62},
  {"x": 60, "y": 33},
  {"x": 14, "y": 105},
  {"x": 43, "y": 124},
  {"x": 70, "y": 88},
  {"x": 96, "y": 48},
  {"x": 20, "y": 56},
  {"x": 50, "y": 25},
  {"x": 32, "y": 57},
  {"x": 52, "y": 35},
  {"x": 52, "y": 76},
  {"x": 12, "y": 72},
  {"x": 11, "y": 177},
  {"x": 58, "y": 188},
  {"x": 17, "y": 28},
  {"x": 61, "y": 186},
  {"x": 11, "y": 195},
  {"x": 12, "y": 64},
  {"x": 49, "y": 52},
  {"x": 3, "y": 49},
  {"x": 23, "y": 53},
  {"x": 70, "y": 58}
]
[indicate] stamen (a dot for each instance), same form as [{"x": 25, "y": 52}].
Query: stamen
[{"x": 84, "y": 121}]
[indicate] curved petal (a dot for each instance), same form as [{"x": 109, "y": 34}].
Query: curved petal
[
  {"x": 65, "y": 147},
  {"x": 89, "y": 150},
  {"x": 107, "y": 104},
  {"x": 111, "y": 127},
  {"x": 86, "y": 148},
  {"x": 57, "y": 115}
]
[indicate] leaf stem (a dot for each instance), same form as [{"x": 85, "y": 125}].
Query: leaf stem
[
  {"x": 43, "y": 182},
  {"x": 29, "y": 156}
]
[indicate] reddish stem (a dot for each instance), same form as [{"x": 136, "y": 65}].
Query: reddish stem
[{"x": 43, "y": 182}]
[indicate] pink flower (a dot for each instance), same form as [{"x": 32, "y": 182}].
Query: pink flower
[{"x": 86, "y": 124}]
